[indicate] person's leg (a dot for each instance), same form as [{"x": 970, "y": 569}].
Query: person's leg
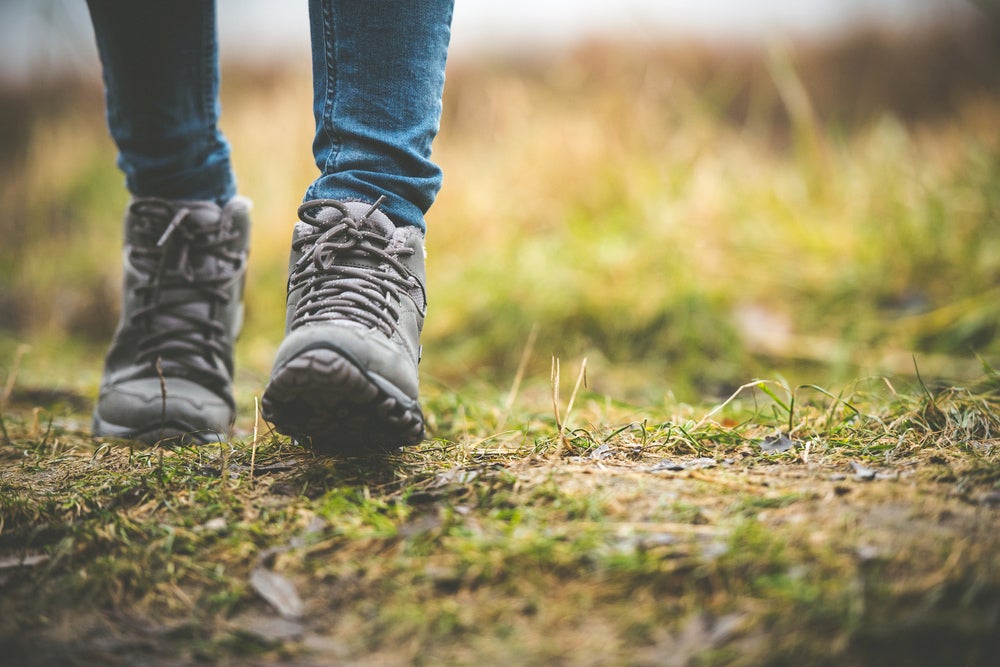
[
  {"x": 378, "y": 78},
  {"x": 168, "y": 373},
  {"x": 345, "y": 377},
  {"x": 161, "y": 77}
]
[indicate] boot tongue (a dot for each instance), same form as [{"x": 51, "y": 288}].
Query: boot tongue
[
  {"x": 370, "y": 220},
  {"x": 150, "y": 219},
  {"x": 375, "y": 221}
]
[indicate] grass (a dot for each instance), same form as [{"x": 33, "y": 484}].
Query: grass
[
  {"x": 685, "y": 224},
  {"x": 523, "y": 548}
]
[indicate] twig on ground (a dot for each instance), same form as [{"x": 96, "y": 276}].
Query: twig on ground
[{"x": 253, "y": 446}]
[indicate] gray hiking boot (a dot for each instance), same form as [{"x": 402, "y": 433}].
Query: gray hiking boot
[
  {"x": 168, "y": 374},
  {"x": 345, "y": 377}
]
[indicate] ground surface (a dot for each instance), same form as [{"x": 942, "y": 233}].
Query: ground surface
[{"x": 862, "y": 529}]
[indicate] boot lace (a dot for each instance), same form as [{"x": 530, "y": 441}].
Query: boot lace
[
  {"x": 180, "y": 273},
  {"x": 348, "y": 270}
]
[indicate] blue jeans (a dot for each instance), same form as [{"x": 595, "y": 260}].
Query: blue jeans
[{"x": 378, "y": 77}]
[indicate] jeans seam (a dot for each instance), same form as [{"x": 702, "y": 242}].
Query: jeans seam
[
  {"x": 210, "y": 73},
  {"x": 330, "y": 87},
  {"x": 207, "y": 58}
]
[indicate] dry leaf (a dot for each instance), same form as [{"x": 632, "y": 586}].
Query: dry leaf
[{"x": 279, "y": 592}]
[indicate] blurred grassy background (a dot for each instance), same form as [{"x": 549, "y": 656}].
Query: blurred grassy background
[{"x": 687, "y": 217}]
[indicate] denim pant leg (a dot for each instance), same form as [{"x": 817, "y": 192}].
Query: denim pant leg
[
  {"x": 378, "y": 78},
  {"x": 161, "y": 77}
]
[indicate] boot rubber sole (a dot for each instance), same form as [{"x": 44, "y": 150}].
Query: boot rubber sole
[
  {"x": 169, "y": 434},
  {"x": 323, "y": 398}
]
